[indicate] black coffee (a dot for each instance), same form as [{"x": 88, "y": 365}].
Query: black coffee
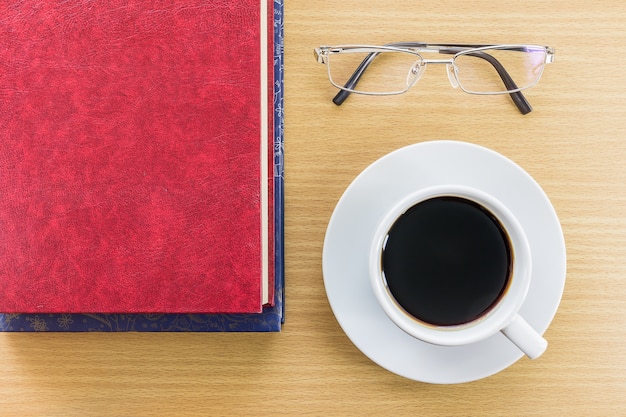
[{"x": 447, "y": 260}]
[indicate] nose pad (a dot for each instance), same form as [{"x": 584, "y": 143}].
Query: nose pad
[
  {"x": 415, "y": 73},
  {"x": 452, "y": 75}
]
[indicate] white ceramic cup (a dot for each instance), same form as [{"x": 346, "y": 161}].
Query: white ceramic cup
[{"x": 503, "y": 316}]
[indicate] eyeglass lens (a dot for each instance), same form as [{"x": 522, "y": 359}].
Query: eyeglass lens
[
  {"x": 478, "y": 72},
  {"x": 387, "y": 72}
]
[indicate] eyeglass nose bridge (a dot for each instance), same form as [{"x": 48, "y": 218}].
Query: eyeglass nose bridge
[{"x": 418, "y": 68}]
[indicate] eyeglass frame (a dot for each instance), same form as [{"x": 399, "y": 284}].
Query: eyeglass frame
[{"x": 322, "y": 53}]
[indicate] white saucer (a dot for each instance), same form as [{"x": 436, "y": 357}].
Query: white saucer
[{"x": 351, "y": 228}]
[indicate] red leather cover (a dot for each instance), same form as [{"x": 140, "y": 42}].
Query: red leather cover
[
  {"x": 271, "y": 164},
  {"x": 130, "y": 169}
]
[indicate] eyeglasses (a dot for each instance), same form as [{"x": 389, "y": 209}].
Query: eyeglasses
[{"x": 396, "y": 67}]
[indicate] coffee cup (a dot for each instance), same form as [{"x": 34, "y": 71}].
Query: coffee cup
[{"x": 451, "y": 265}]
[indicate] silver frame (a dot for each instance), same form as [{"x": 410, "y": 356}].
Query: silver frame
[{"x": 322, "y": 55}]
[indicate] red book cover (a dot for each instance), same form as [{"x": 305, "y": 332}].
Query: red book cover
[{"x": 133, "y": 156}]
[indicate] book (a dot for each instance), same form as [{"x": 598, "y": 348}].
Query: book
[
  {"x": 272, "y": 317},
  {"x": 121, "y": 99}
]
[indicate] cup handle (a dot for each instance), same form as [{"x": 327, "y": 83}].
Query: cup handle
[{"x": 525, "y": 337}]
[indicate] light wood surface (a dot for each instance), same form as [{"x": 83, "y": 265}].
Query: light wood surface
[{"x": 573, "y": 144}]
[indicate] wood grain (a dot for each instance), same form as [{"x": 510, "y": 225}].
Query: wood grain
[{"x": 573, "y": 144}]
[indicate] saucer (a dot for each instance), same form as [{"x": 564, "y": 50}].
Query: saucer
[{"x": 351, "y": 229}]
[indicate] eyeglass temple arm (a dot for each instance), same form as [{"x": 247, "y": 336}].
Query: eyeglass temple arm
[
  {"x": 342, "y": 95},
  {"x": 518, "y": 98}
]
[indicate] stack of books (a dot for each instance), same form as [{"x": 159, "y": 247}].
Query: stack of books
[{"x": 141, "y": 166}]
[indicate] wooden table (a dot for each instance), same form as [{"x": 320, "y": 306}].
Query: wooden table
[{"x": 573, "y": 144}]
